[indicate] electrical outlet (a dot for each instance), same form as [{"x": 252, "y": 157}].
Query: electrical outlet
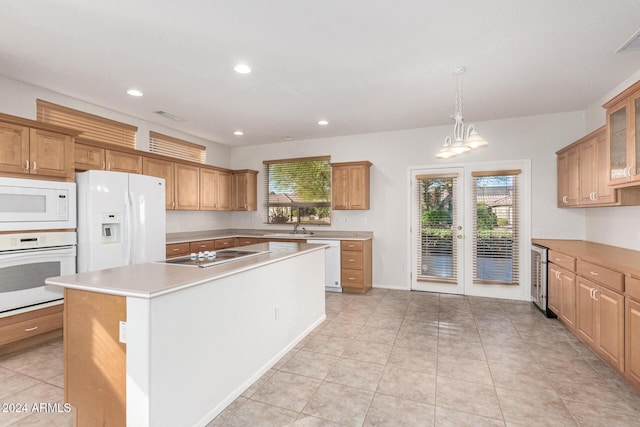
[{"x": 123, "y": 332}]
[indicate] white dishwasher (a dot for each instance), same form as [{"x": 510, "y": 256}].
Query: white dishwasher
[{"x": 331, "y": 264}]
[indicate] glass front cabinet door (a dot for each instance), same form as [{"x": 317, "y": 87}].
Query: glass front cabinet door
[{"x": 623, "y": 118}]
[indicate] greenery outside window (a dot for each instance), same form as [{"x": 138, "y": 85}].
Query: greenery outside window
[{"x": 298, "y": 191}]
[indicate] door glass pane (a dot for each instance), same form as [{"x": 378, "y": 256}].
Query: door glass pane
[
  {"x": 437, "y": 260},
  {"x": 618, "y": 138},
  {"x": 495, "y": 230}
]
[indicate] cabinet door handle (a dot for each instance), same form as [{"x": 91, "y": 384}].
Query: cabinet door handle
[
  {"x": 31, "y": 329},
  {"x": 595, "y": 296},
  {"x": 26, "y": 164},
  {"x": 34, "y": 165},
  {"x": 593, "y": 273},
  {"x": 104, "y": 165}
]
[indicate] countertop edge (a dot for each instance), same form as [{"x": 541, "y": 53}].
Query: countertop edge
[
  {"x": 55, "y": 281},
  {"x": 194, "y": 236}
]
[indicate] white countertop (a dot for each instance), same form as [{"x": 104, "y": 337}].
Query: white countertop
[
  {"x": 192, "y": 236},
  {"x": 150, "y": 279}
]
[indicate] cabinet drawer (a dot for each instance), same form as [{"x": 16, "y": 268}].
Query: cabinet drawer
[
  {"x": 351, "y": 260},
  {"x": 225, "y": 243},
  {"x": 177, "y": 249},
  {"x": 609, "y": 278},
  {"x": 632, "y": 287},
  {"x": 351, "y": 245},
  {"x": 201, "y": 246},
  {"x": 564, "y": 261},
  {"x": 352, "y": 278},
  {"x": 243, "y": 241},
  {"x": 29, "y": 328}
]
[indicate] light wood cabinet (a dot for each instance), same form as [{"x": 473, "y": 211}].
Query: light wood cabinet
[
  {"x": 187, "y": 187},
  {"x": 174, "y": 250},
  {"x": 27, "y": 150},
  {"x": 244, "y": 190},
  {"x": 623, "y": 119},
  {"x": 600, "y": 321},
  {"x": 562, "y": 289},
  {"x": 29, "y": 325},
  {"x": 350, "y": 184},
  {"x": 224, "y": 243},
  {"x": 632, "y": 341},
  {"x": 161, "y": 169},
  {"x": 215, "y": 190},
  {"x": 355, "y": 265},
  {"x": 594, "y": 177},
  {"x": 568, "y": 178},
  {"x": 119, "y": 161},
  {"x": 244, "y": 241},
  {"x": 89, "y": 157},
  {"x": 201, "y": 246}
]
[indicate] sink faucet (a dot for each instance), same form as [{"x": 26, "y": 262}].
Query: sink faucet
[{"x": 295, "y": 228}]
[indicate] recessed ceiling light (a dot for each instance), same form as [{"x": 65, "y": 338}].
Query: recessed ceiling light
[
  {"x": 323, "y": 122},
  {"x": 238, "y": 133},
  {"x": 134, "y": 92},
  {"x": 242, "y": 68}
]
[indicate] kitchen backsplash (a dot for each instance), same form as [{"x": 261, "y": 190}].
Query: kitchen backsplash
[{"x": 181, "y": 221}]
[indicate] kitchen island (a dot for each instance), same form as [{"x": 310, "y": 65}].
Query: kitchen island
[{"x": 196, "y": 338}]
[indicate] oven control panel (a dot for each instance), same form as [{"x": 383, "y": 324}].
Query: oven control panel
[{"x": 18, "y": 241}]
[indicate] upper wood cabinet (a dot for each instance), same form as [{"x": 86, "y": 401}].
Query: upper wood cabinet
[
  {"x": 26, "y": 150},
  {"x": 244, "y": 190},
  {"x": 161, "y": 169},
  {"x": 568, "y": 177},
  {"x": 187, "y": 187},
  {"x": 119, "y": 161},
  {"x": 89, "y": 157},
  {"x": 583, "y": 175},
  {"x": 350, "y": 185},
  {"x": 623, "y": 119},
  {"x": 215, "y": 189}
]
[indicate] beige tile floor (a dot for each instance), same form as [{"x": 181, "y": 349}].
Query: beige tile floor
[{"x": 399, "y": 358}]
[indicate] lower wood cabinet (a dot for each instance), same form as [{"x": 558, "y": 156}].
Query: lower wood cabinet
[
  {"x": 632, "y": 341},
  {"x": 30, "y": 324},
  {"x": 177, "y": 249},
  {"x": 201, "y": 246},
  {"x": 562, "y": 294},
  {"x": 244, "y": 241},
  {"x": 600, "y": 321},
  {"x": 355, "y": 265},
  {"x": 224, "y": 243}
]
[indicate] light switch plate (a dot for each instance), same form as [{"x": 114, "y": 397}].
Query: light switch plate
[{"x": 123, "y": 332}]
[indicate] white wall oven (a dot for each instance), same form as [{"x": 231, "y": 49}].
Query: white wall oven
[
  {"x": 28, "y": 204},
  {"x": 26, "y": 260}
]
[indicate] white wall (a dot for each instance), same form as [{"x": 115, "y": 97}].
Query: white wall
[
  {"x": 392, "y": 153},
  {"x": 19, "y": 99},
  {"x": 617, "y": 226}
]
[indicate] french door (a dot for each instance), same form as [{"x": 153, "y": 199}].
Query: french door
[
  {"x": 467, "y": 228},
  {"x": 437, "y": 224}
]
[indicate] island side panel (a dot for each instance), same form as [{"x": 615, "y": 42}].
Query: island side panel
[
  {"x": 210, "y": 342},
  {"x": 94, "y": 359}
]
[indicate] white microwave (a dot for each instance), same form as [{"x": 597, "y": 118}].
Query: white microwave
[{"x": 28, "y": 204}]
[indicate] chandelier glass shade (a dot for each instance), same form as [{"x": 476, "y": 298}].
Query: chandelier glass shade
[{"x": 462, "y": 141}]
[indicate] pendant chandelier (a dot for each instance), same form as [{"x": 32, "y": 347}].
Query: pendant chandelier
[{"x": 462, "y": 142}]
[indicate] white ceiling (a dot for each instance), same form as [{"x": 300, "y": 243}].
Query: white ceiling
[{"x": 364, "y": 65}]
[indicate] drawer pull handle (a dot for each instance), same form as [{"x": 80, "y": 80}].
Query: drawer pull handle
[
  {"x": 351, "y": 260},
  {"x": 352, "y": 278},
  {"x": 31, "y": 329},
  {"x": 593, "y": 273},
  {"x": 176, "y": 249}
]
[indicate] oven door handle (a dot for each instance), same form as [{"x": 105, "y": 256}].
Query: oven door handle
[{"x": 37, "y": 252}]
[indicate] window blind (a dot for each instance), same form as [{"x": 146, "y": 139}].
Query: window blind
[
  {"x": 496, "y": 227},
  {"x": 177, "y": 148},
  {"x": 93, "y": 127},
  {"x": 437, "y": 255},
  {"x": 298, "y": 191}
]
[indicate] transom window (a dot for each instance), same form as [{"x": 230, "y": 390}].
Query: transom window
[{"x": 298, "y": 191}]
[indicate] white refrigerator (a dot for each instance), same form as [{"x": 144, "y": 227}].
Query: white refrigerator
[{"x": 121, "y": 219}]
